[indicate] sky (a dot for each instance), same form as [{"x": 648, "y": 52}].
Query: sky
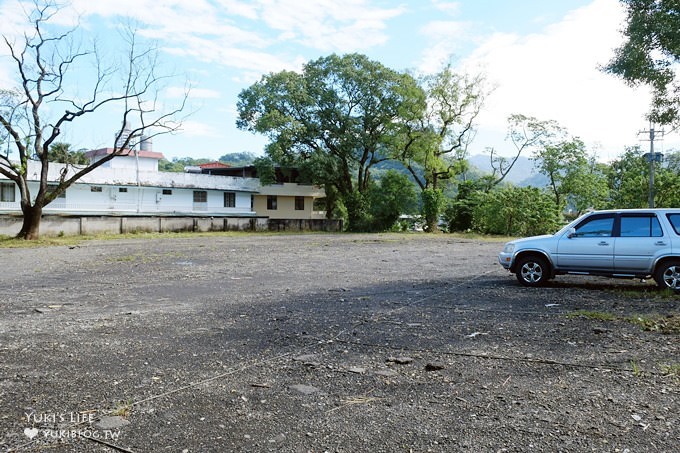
[{"x": 542, "y": 58}]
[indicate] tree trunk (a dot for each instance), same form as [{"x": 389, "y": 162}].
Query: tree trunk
[{"x": 30, "y": 229}]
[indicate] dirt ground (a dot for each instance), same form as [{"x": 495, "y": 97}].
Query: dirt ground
[{"x": 320, "y": 342}]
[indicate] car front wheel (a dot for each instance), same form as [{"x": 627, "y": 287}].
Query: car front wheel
[
  {"x": 667, "y": 275},
  {"x": 532, "y": 271}
]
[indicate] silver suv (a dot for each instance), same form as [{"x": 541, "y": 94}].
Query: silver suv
[{"x": 630, "y": 243}]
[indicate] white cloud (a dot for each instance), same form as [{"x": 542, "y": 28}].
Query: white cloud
[
  {"x": 329, "y": 25},
  {"x": 555, "y": 75},
  {"x": 178, "y": 92},
  {"x": 243, "y": 9},
  {"x": 198, "y": 129},
  {"x": 446, "y": 39},
  {"x": 243, "y": 59},
  {"x": 448, "y": 7}
]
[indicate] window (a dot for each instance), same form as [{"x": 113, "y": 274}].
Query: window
[
  {"x": 52, "y": 187},
  {"x": 122, "y": 189},
  {"x": 675, "y": 221},
  {"x": 299, "y": 203},
  {"x": 597, "y": 227},
  {"x": 200, "y": 196},
  {"x": 7, "y": 192},
  {"x": 640, "y": 227},
  {"x": 271, "y": 202},
  {"x": 229, "y": 200},
  {"x": 95, "y": 188},
  {"x": 167, "y": 191}
]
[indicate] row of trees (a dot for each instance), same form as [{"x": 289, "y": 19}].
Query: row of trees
[
  {"x": 338, "y": 120},
  {"x": 344, "y": 117},
  {"x": 581, "y": 183}
]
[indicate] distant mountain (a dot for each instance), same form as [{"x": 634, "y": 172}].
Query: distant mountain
[{"x": 523, "y": 173}]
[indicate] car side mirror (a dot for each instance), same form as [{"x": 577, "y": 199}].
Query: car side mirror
[{"x": 571, "y": 233}]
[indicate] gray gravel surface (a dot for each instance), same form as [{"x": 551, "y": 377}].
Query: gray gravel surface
[{"x": 313, "y": 343}]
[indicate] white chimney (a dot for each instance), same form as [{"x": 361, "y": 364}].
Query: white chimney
[{"x": 146, "y": 143}]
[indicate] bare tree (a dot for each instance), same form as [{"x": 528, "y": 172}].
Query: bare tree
[
  {"x": 526, "y": 134},
  {"x": 46, "y": 65}
]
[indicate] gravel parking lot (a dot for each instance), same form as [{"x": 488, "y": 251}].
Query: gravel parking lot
[{"x": 327, "y": 342}]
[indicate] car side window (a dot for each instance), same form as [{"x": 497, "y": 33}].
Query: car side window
[
  {"x": 640, "y": 227},
  {"x": 597, "y": 227},
  {"x": 675, "y": 221}
]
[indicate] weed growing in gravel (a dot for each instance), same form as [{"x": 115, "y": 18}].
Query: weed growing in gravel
[
  {"x": 589, "y": 314},
  {"x": 637, "y": 371},
  {"x": 667, "y": 324},
  {"x": 646, "y": 293},
  {"x": 123, "y": 409},
  {"x": 671, "y": 370},
  {"x": 657, "y": 323},
  {"x": 12, "y": 243}
]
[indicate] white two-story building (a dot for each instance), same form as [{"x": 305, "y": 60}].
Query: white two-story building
[{"x": 130, "y": 184}]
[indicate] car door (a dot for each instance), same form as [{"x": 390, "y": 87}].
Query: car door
[
  {"x": 640, "y": 240},
  {"x": 590, "y": 247}
]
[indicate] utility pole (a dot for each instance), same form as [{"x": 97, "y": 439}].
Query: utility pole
[{"x": 652, "y": 157}]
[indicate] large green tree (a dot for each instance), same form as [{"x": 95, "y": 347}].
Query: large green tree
[
  {"x": 574, "y": 177},
  {"x": 338, "y": 114},
  {"x": 629, "y": 181},
  {"x": 433, "y": 144},
  {"x": 587, "y": 183},
  {"x": 515, "y": 211},
  {"x": 390, "y": 197},
  {"x": 651, "y": 53},
  {"x": 62, "y": 152},
  {"x": 54, "y": 91}
]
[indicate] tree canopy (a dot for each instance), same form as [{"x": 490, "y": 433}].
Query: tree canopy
[
  {"x": 651, "y": 53},
  {"x": 338, "y": 115}
]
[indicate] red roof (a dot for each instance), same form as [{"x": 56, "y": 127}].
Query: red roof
[
  {"x": 123, "y": 152},
  {"x": 212, "y": 165}
]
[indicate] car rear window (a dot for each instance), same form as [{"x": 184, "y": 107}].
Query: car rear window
[{"x": 675, "y": 221}]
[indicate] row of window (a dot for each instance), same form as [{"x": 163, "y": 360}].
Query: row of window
[
  {"x": 201, "y": 196},
  {"x": 7, "y": 194},
  {"x": 629, "y": 226},
  {"x": 272, "y": 203}
]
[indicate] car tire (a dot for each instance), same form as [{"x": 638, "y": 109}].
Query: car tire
[
  {"x": 532, "y": 270},
  {"x": 667, "y": 275}
]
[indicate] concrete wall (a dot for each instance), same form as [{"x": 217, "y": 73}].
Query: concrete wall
[
  {"x": 53, "y": 225},
  {"x": 305, "y": 225}
]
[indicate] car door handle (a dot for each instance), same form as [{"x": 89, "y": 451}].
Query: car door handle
[
  {"x": 659, "y": 243},
  {"x": 603, "y": 243}
]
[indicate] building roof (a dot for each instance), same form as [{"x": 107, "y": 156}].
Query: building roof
[
  {"x": 124, "y": 152},
  {"x": 213, "y": 165}
]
